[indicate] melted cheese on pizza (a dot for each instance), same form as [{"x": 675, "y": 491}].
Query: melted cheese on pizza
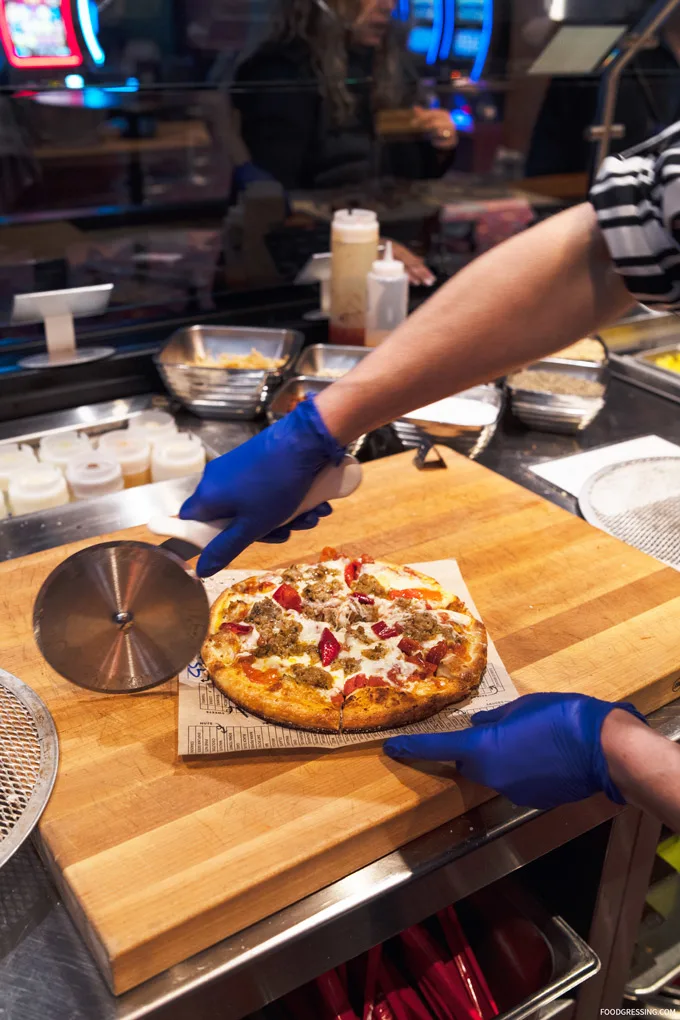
[{"x": 286, "y": 619}]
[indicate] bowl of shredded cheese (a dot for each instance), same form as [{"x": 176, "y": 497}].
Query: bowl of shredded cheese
[{"x": 226, "y": 371}]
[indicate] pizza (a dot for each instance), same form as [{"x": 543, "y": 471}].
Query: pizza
[{"x": 343, "y": 645}]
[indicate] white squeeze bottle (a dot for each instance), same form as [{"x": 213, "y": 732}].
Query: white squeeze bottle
[{"x": 387, "y": 297}]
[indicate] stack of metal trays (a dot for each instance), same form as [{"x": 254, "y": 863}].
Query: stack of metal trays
[
  {"x": 190, "y": 366},
  {"x": 558, "y": 412}
]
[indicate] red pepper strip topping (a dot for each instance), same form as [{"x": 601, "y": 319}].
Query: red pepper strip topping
[
  {"x": 414, "y": 593},
  {"x": 237, "y": 628},
  {"x": 384, "y": 631},
  {"x": 361, "y": 680},
  {"x": 437, "y": 653},
  {"x": 337, "y": 699},
  {"x": 428, "y": 669},
  {"x": 366, "y": 600},
  {"x": 408, "y": 646},
  {"x": 287, "y": 597},
  {"x": 329, "y": 647},
  {"x": 329, "y": 553},
  {"x": 352, "y": 571},
  {"x": 365, "y": 558}
]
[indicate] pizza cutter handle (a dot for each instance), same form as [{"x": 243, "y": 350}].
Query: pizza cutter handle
[{"x": 331, "y": 483}]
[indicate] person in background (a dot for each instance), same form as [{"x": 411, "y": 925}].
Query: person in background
[
  {"x": 648, "y": 101},
  {"x": 563, "y": 279},
  {"x": 309, "y": 96},
  {"x": 308, "y": 99}
]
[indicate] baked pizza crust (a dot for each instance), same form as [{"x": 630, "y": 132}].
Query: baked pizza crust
[
  {"x": 366, "y": 709},
  {"x": 287, "y": 707}
]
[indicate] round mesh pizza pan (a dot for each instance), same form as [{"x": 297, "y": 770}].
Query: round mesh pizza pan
[
  {"x": 28, "y": 762},
  {"x": 638, "y": 501}
]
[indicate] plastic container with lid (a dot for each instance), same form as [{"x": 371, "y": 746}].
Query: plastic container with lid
[
  {"x": 176, "y": 457},
  {"x": 132, "y": 451},
  {"x": 59, "y": 448},
  {"x": 37, "y": 487},
  {"x": 386, "y": 297},
  {"x": 13, "y": 457},
  {"x": 153, "y": 425},
  {"x": 354, "y": 248},
  {"x": 94, "y": 474}
]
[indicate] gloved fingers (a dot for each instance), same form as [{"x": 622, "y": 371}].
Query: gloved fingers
[
  {"x": 459, "y": 745},
  {"x": 277, "y": 536},
  {"x": 305, "y": 522},
  {"x": 492, "y": 715},
  {"x": 225, "y": 547},
  {"x": 310, "y": 518},
  {"x": 200, "y": 507}
]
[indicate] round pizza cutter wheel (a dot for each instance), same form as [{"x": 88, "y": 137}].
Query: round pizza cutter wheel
[{"x": 120, "y": 617}]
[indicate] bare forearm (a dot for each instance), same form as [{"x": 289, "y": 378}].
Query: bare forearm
[
  {"x": 644, "y": 766},
  {"x": 528, "y": 297}
]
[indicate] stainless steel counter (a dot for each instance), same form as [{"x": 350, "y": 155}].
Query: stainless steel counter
[{"x": 46, "y": 971}]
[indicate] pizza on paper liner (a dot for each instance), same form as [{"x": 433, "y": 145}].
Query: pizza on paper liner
[{"x": 344, "y": 645}]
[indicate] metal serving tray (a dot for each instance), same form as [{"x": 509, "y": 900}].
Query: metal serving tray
[
  {"x": 469, "y": 440},
  {"x": 329, "y": 361},
  {"x": 213, "y": 392},
  {"x": 640, "y": 370},
  {"x": 552, "y": 412}
]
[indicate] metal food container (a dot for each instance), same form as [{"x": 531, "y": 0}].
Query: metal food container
[
  {"x": 329, "y": 361},
  {"x": 649, "y": 358},
  {"x": 468, "y": 439},
  {"x": 556, "y": 359},
  {"x": 552, "y": 412},
  {"x": 213, "y": 392},
  {"x": 292, "y": 393}
]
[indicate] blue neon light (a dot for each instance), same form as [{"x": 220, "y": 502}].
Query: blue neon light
[
  {"x": 447, "y": 32},
  {"x": 87, "y": 13},
  {"x": 420, "y": 39},
  {"x": 485, "y": 42},
  {"x": 437, "y": 27}
]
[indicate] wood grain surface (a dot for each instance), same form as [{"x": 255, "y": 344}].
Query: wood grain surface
[{"x": 159, "y": 858}]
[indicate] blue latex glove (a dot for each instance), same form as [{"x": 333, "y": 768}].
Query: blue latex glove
[
  {"x": 539, "y": 751},
  {"x": 260, "y": 484}
]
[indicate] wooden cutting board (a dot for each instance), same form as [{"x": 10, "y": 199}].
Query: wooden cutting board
[{"x": 159, "y": 858}]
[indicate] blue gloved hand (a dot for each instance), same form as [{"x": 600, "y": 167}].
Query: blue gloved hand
[
  {"x": 261, "y": 483},
  {"x": 539, "y": 751}
]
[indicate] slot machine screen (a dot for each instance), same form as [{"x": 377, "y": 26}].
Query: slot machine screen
[{"x": 39, "y": 34}]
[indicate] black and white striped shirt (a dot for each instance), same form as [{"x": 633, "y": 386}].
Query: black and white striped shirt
[{"x": 637, "y": 199}]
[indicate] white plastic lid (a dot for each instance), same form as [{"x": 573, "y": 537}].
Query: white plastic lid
[
  {"x": 131, "y": 449},
  {"x": 355, "y": 225},
  {"x": 153, "y": 424},
  {"x": 94, "y": 474},
  {"x": 178, "y": 455},
  {"x": 13, "y": 457},
  {"x": 388, "y": 268},
  {"x": 37, "y": 487},
  {"x": 59, "y": 448}
]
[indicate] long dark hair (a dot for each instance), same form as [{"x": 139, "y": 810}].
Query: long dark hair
[{"x": 326, "y": 32}]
